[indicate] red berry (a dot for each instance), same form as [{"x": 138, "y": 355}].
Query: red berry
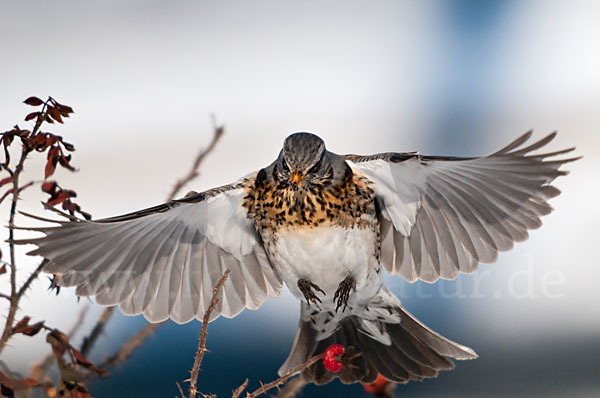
[{"x": 332, "y": 360}]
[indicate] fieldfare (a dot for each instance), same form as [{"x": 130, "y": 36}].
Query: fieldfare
[{"x": 326, "y": 225}]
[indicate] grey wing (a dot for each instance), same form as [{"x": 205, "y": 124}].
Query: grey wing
[
  {"x": 443, "y": 215},
  {"x": 165, "y": 261}
]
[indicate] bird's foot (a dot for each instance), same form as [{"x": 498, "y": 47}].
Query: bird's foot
[
  {"x": 306, "y": 287},
  {"x": 343, "y": 292}
]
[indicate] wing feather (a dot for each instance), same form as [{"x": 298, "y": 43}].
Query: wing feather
[
  {"x": 441, "y": 215},
  {"x": 165, "y": 261}
]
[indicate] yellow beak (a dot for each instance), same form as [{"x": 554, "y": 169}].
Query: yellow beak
[{"x": 296, "y": 178}]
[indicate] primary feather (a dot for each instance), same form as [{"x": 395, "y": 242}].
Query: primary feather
[{"x": 325, "y": 221}]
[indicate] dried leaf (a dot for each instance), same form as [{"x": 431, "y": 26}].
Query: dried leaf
[
  {"x": 70, "y": 192},
  {"x": 8, "y": 139},
  {"x": 23, "y": 322},
  {"x": 64, "y": 162},
  {"x": 23, "y": 327},
  {"x": 49, "y": 187},
  {"x": 50, "y": 167},
  {"x": 40, "y": 140},
  {"x": 51, "y": 139},
  {"x": 83, "y": 361},
  {"x": 53, "y": 155},
  {"x": 32, "y": 115},
  {"x": 58, "y": 198},
  {"x": 5, "y": 181},
  {"x": 32, "y": 330},
  {"x": 55, "y": 114},
  {"x": 69, "y": 147},
  {"x": 6, "y": 154},
  {"x": 63, "y": 108},
  {"x": 67, "y": 205},
  {"x": 33, "y": 101}
]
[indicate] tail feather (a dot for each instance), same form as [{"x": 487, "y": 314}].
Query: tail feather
[{"x": 415, "y": 353}]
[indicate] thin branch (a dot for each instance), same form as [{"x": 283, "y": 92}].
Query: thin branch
[
  {"x": 203, "y": 332},
  {"x": 131, "y": 344},
  {"x": 31, "y": 278},
  {"x": 180, "y": 389},
  {"x": 240, "y": 389},
  {"x": 15, "y": 297},
  {"x": 90, "y": 340},
  {"x": 292, "y": 388},
  {"x": 275, "y": 383},
  {"x": 194, "y": 171}
]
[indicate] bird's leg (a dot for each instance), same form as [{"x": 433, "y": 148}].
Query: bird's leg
[
  {"x": 306, "y": 287},
  {"x": 343, "y": 292}
]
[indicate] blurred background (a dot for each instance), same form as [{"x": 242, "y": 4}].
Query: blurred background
[{"x": 442, "y": 77}]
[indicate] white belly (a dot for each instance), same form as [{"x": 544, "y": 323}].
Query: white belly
[{"x": 325, "y": 256}]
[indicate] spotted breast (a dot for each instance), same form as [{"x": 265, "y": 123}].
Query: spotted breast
[{"x": 320, "y": 233}]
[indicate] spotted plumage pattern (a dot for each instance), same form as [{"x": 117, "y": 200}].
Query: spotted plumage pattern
[
  {"x": 275, "y": 205},
  {"x": 325, "y": 225}
]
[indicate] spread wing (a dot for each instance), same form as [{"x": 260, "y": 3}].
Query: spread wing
[
  {"x": 165, "y": 261},
  {"x": 442, "y": 215}
]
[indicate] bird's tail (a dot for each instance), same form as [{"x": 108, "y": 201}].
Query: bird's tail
[{"x": 387, "y": 339}]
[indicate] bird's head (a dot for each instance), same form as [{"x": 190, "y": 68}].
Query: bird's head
[{"x": 303, "y": 160}]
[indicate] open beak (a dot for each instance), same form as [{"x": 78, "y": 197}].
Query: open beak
[{"x": 296, "y": 178}]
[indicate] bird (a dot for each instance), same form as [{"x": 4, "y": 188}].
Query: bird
[{"x": 329, "y": 227}]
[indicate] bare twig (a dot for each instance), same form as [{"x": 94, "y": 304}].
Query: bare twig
[
  {"x": 203, "y": 332},
  {"x": 131, "y": 344},
  {"x": 193, "y": 173},
  {"x": 180, "y": 389},
  {"x": 240, "y": 389},
  {"x": 275, "y": 383},
  {"x": 31, "y": 278},
  {"x": 90, "y": 340}
]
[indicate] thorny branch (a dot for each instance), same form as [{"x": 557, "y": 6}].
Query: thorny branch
[
  {"x": 16, "y": 174},
  {"x": 97, "y": 330},
  {"x": 238, "y": 391},
  {"x": 203, "y": 333},
  {"x": 292, "y": 388},
  {"x": 31, "y": 278},
  {"x": 275, "y": 383}
]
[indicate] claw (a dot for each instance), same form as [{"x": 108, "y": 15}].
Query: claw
[
  {"x": 306, "y": 287},
  {"x": 343, "y": 293}
]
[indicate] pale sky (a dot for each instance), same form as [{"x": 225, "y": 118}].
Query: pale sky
[{"x": 366, "y": 76}]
